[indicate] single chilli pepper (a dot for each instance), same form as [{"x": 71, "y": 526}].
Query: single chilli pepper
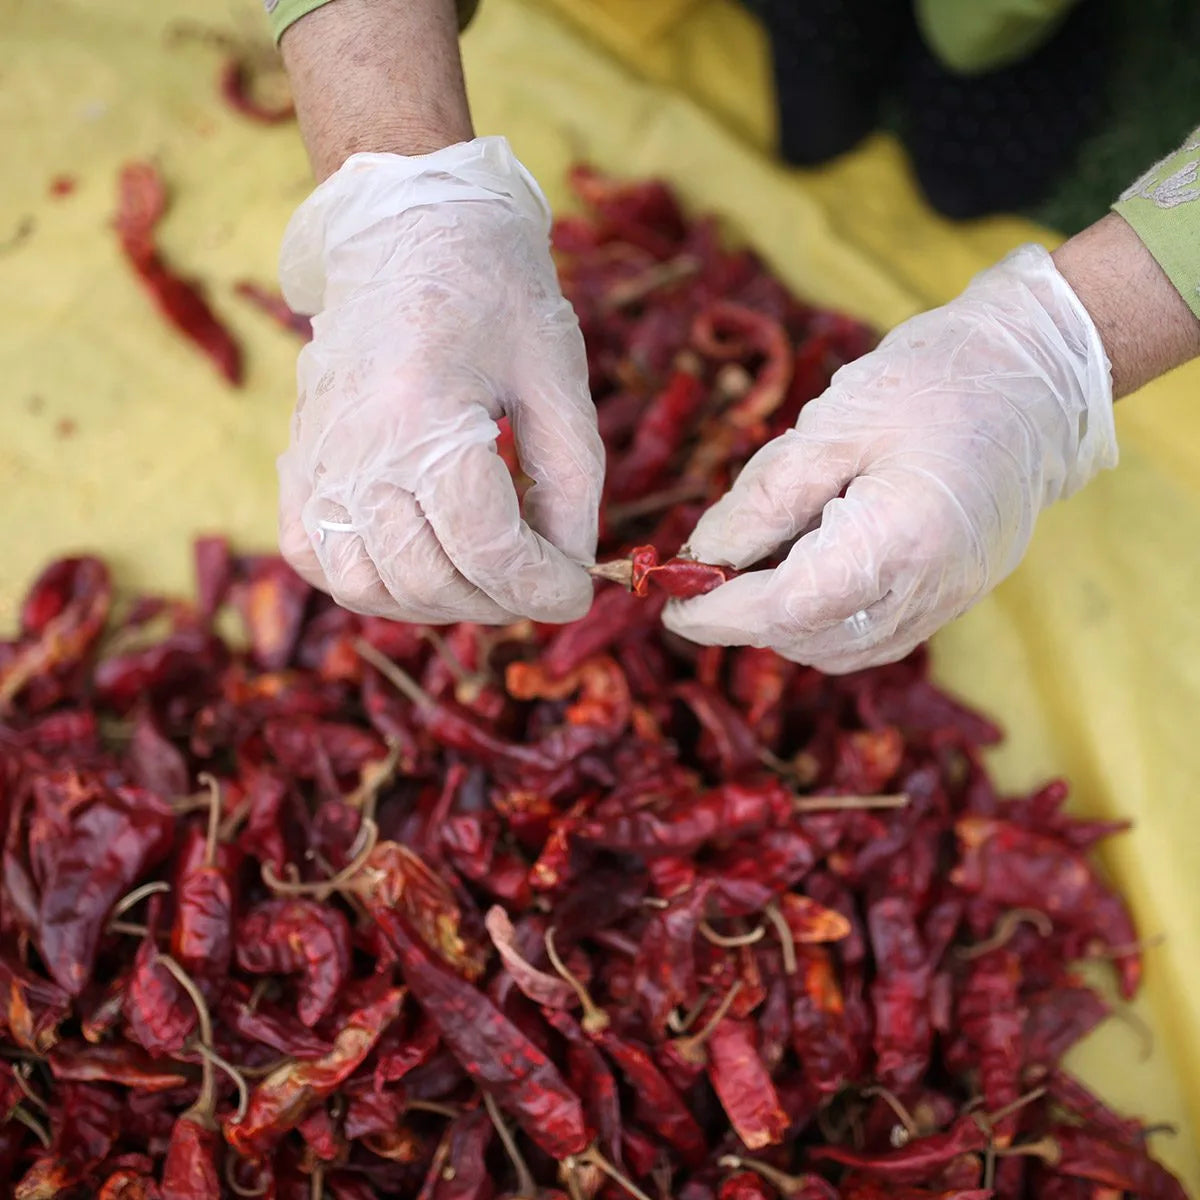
[
  {"x": 724, "y": 330},
  {"x": 111, "y": 839},
  {"x": 141, "y": 202},
  {"x": 236, "y": 87},
  {"x": 272, "y": 600},
  {"x": 743, "y": 1084},
  {"x": 657, "y": 1104},
  {"x": 735, "y": 749},
  {"x": 589, "y": 1075},
  {"x": 119, "y": 1062},
  {"x": 397, "y": 880},
  {"x": 541, "y": 987},
  {"x": 190, "y": 1170},
  {"x": 297, "y": 935},
  {"x": 758, "y": 682},
  {"x": 274, "y": 305},
  {"x": 1058, "y": 1017},
  {"x": 679, "y": 578},
  {"x": 727, "y": 811},
  {"x": 154, "y": 762},
  {"x": 661, "y": 428},
  {"x": 615, "y": 616},
  {"x": 1070, "y": 1150},
  {"x": 1069, "y": 1093},
  {"x": 666, "y": 959},
  {"x": 184, "y": 306},
  {"x": 490, "y": 1048},
  {"x": 819, "y": 1031},
  {"x": 919, "y": 1160},
  {"x": 202, "y": 935},
  {"x": 31, "y": 1008},
  {"x": 899, "y": 994},
  {"x": 268, "y": 1024},
  {"x": 992, "y": 1024},
  {"x": 811, "y": 923},
  {"x": 61, "y": 620},
  {"x": 213, "y": 567},
  {"x": 285, "y": 1097},
  {"x": 469, "y": 1138}
]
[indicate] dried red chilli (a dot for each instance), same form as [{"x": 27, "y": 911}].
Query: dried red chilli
[
  {"x": 513, "y": 911},
  {"x": 275, "y": 306},
  {"x": 141, "y": 202},
  {"x": 237, "y": 88},
  {"x": 679, "y": 578}
]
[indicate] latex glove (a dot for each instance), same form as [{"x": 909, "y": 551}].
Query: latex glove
[
  {"x": 437, "y": 311},
  {"x": 950, "y": 437}
]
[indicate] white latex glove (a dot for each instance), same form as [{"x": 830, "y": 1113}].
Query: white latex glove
[
  {"x": 437, "y": 311},
  {"x": 952, "y": 435}
]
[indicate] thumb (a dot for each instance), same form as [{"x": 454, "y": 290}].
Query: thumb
[{"x": 779, "y": 493}]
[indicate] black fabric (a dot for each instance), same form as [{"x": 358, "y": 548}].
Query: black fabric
[
  {"x": 999, "y": 141},
  {"x": 979, "y": 144},
  {"x": 832, "y": 62}
]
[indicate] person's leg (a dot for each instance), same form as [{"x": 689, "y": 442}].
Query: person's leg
[
  {"x": 998, "y": 140},
  {"x": 833, "y": 60}
]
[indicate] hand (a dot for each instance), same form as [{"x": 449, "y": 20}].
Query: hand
[
  {"x": 949, "y": 438},
  {"x": 438, "y": 311}
]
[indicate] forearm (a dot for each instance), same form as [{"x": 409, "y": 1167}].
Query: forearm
[
  {"x": 1144, "y": 323},
  {"x": 376, "y": 75}
]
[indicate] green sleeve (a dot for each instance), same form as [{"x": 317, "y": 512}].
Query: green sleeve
[
  {"x": 1162, "y": 208},
  {"x": 282, "y": 13},
  {"x": 973, "y": 36}
]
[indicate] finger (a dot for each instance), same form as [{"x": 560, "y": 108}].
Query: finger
[
  {"x": 559, "y": 446},
  {"x": 349, "y": 575},
  {"x": 470, "y": 502},
  {"x": 779, "y": 493},
  {"x": 411, "y": 564},
  {"x": 294, "y": 542}
]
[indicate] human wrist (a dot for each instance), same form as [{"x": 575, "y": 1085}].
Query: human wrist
[
  {"x": 376, "y": 76},
  {"x": 1144, "y": 324}
]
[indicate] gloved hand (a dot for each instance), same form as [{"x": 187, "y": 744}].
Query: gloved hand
[
  {"x": 949, "y": 438},
  {"x": 437, "y": 311}
]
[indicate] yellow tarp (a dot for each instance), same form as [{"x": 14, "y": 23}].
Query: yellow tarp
[{"x": 117, "y": 436}]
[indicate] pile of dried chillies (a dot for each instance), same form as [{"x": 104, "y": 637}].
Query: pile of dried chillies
[{"x": 297, "y": 903}]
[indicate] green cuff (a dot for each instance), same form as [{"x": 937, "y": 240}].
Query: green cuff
[
  {"x": 973, "y": 36},
  {"x": 283, "y": 13},
  {"x": 1163, "y": 210}
]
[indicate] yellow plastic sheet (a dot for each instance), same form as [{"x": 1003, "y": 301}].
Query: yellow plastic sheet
[{"x": 117, "y": 436}]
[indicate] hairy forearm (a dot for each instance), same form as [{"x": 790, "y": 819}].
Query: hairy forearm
[
  {"x": 376, "y": 75},
  {"x": 1143, "y": 321}
]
